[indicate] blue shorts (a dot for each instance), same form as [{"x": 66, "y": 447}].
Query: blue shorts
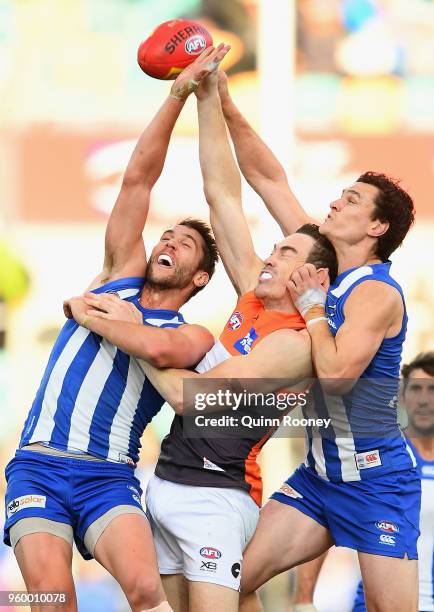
[
  {"x": 377, "y": 515},
  {"x": 67, "y": 490}
]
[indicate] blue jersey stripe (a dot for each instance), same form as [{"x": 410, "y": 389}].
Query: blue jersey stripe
[
  {"x": 149, "y": 404},
  {"x": 107, "y": 405},
  {"x": 70, "y": 388}
]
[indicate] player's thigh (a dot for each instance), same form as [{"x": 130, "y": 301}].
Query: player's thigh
[
  {"x": 126, "y": 550},
  {"x": 45, "y": 560},
  {"x": 208, "y": 597},
  {"x": 209, "y": 526},
  {"x": 390, "y": 583},
  {"x": 284, "y": 537},
  {"x": 176, "y": 588}
]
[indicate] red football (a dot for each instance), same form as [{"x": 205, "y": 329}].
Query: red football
[{"x": 172, "y": 47}]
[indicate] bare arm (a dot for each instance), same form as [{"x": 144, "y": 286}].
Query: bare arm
[
  {"x": 222, "y": 187},
  {"x": 124, "y": 247},
  {"x": 121, "y": 323},
  {"x": 263, "y": 369},
  {"x": 261, "y": 169},
  {"x": 373, "y": 311}
]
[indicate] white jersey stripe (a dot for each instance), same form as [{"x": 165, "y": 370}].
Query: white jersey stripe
[
  {"x": 349, "y": 280},
  {"x": 127, "y": 408},
  {"x": 88, "y": 396},
  {"x": 46, "y": 423}
]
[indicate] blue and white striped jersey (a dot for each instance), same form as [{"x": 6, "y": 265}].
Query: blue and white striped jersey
[
  {"x": 94, "y": 398},
  {"x": 364, "y": 439}
]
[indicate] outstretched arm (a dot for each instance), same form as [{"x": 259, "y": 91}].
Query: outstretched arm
[
  {"x": 222, "y": 186},
  {"x": 265, "y": 369},
  {"x": 124, "y": 247},
  {"x": 261, "y": 169}
]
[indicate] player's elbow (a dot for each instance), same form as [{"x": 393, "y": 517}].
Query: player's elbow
[{"x": 177, "y": 404}]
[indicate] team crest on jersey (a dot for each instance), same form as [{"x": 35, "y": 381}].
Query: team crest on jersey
[
  {"x": 244, "y": 345},
  {"x": 235, "y": 321}
]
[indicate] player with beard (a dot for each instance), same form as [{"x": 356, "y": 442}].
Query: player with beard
[
  {"x": 73, "y": 475},
  {"x": 361, "y": 468}
]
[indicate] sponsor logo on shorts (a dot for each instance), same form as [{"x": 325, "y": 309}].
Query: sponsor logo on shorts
[
  {"x": 235, "y": 321},
  {"x": 210, "y": 553},
  {"x": 367, "y": 460},
  {"x": 26, "y": 501},
  {"x": 289, "y": 491},
  {"x": 387, "y": 526},
  {"x": 195, "y": 44},
  {"x": 236, "y": 569},
  {"x": 208, "y": 566},
  {"x": 112, "y": 292},
  {"x": 387, "y": 539},
  {"x": 133, "y": 489}
]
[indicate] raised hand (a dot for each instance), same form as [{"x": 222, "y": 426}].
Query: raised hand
[{"x": 189, "y": 79}]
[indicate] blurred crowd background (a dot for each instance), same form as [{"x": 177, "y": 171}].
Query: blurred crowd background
[{"x": 359, "y": 78}]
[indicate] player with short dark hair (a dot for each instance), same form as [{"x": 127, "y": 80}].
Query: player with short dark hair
[
  {"x": 361, "y": 467},
  {"x": 205, "y": 496},
  {"x": 73, "y": 475}
]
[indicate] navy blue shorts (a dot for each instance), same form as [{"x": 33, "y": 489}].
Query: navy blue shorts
[
  {"x": 377, "y": 515},
  {"x": 72, "y": 491}
]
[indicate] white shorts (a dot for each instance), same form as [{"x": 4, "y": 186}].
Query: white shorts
[{"x": 200, "y": 532}]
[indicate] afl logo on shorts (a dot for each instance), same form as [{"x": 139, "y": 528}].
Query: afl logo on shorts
[
  {"x": 235, "y": 321},
  {"x": 387, "y": 526},
  {"x": 195, "y": 44},
  {"x": 210, "y": 553}
]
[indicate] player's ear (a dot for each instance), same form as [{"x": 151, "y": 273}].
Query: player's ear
[
  {"x": 201, "y": 278},
  {"x": 378, "y": 228},
  {"x": 323, "y": 277}
]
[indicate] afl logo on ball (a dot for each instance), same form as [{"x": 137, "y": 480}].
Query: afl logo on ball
[{"x": 195, "y": 44}]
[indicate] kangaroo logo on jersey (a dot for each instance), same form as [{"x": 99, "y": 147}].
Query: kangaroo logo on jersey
[
  {"x": 244, "y": 346},
  {"x": 235, "y": 321}
]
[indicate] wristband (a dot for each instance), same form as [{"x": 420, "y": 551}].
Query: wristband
[
  {"x": 310, "y": 297},
  {"x": 315, "y": 320},
  {"x": 184, "y": 90}
]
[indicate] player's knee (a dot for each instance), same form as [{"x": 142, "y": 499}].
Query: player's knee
[{"x": 144, "y": 592}]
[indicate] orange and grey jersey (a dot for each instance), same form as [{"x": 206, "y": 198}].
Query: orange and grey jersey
[{"x": 229, "y": 461}]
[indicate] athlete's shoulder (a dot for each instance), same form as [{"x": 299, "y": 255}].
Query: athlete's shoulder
[{"x": 124, "y": 287}]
